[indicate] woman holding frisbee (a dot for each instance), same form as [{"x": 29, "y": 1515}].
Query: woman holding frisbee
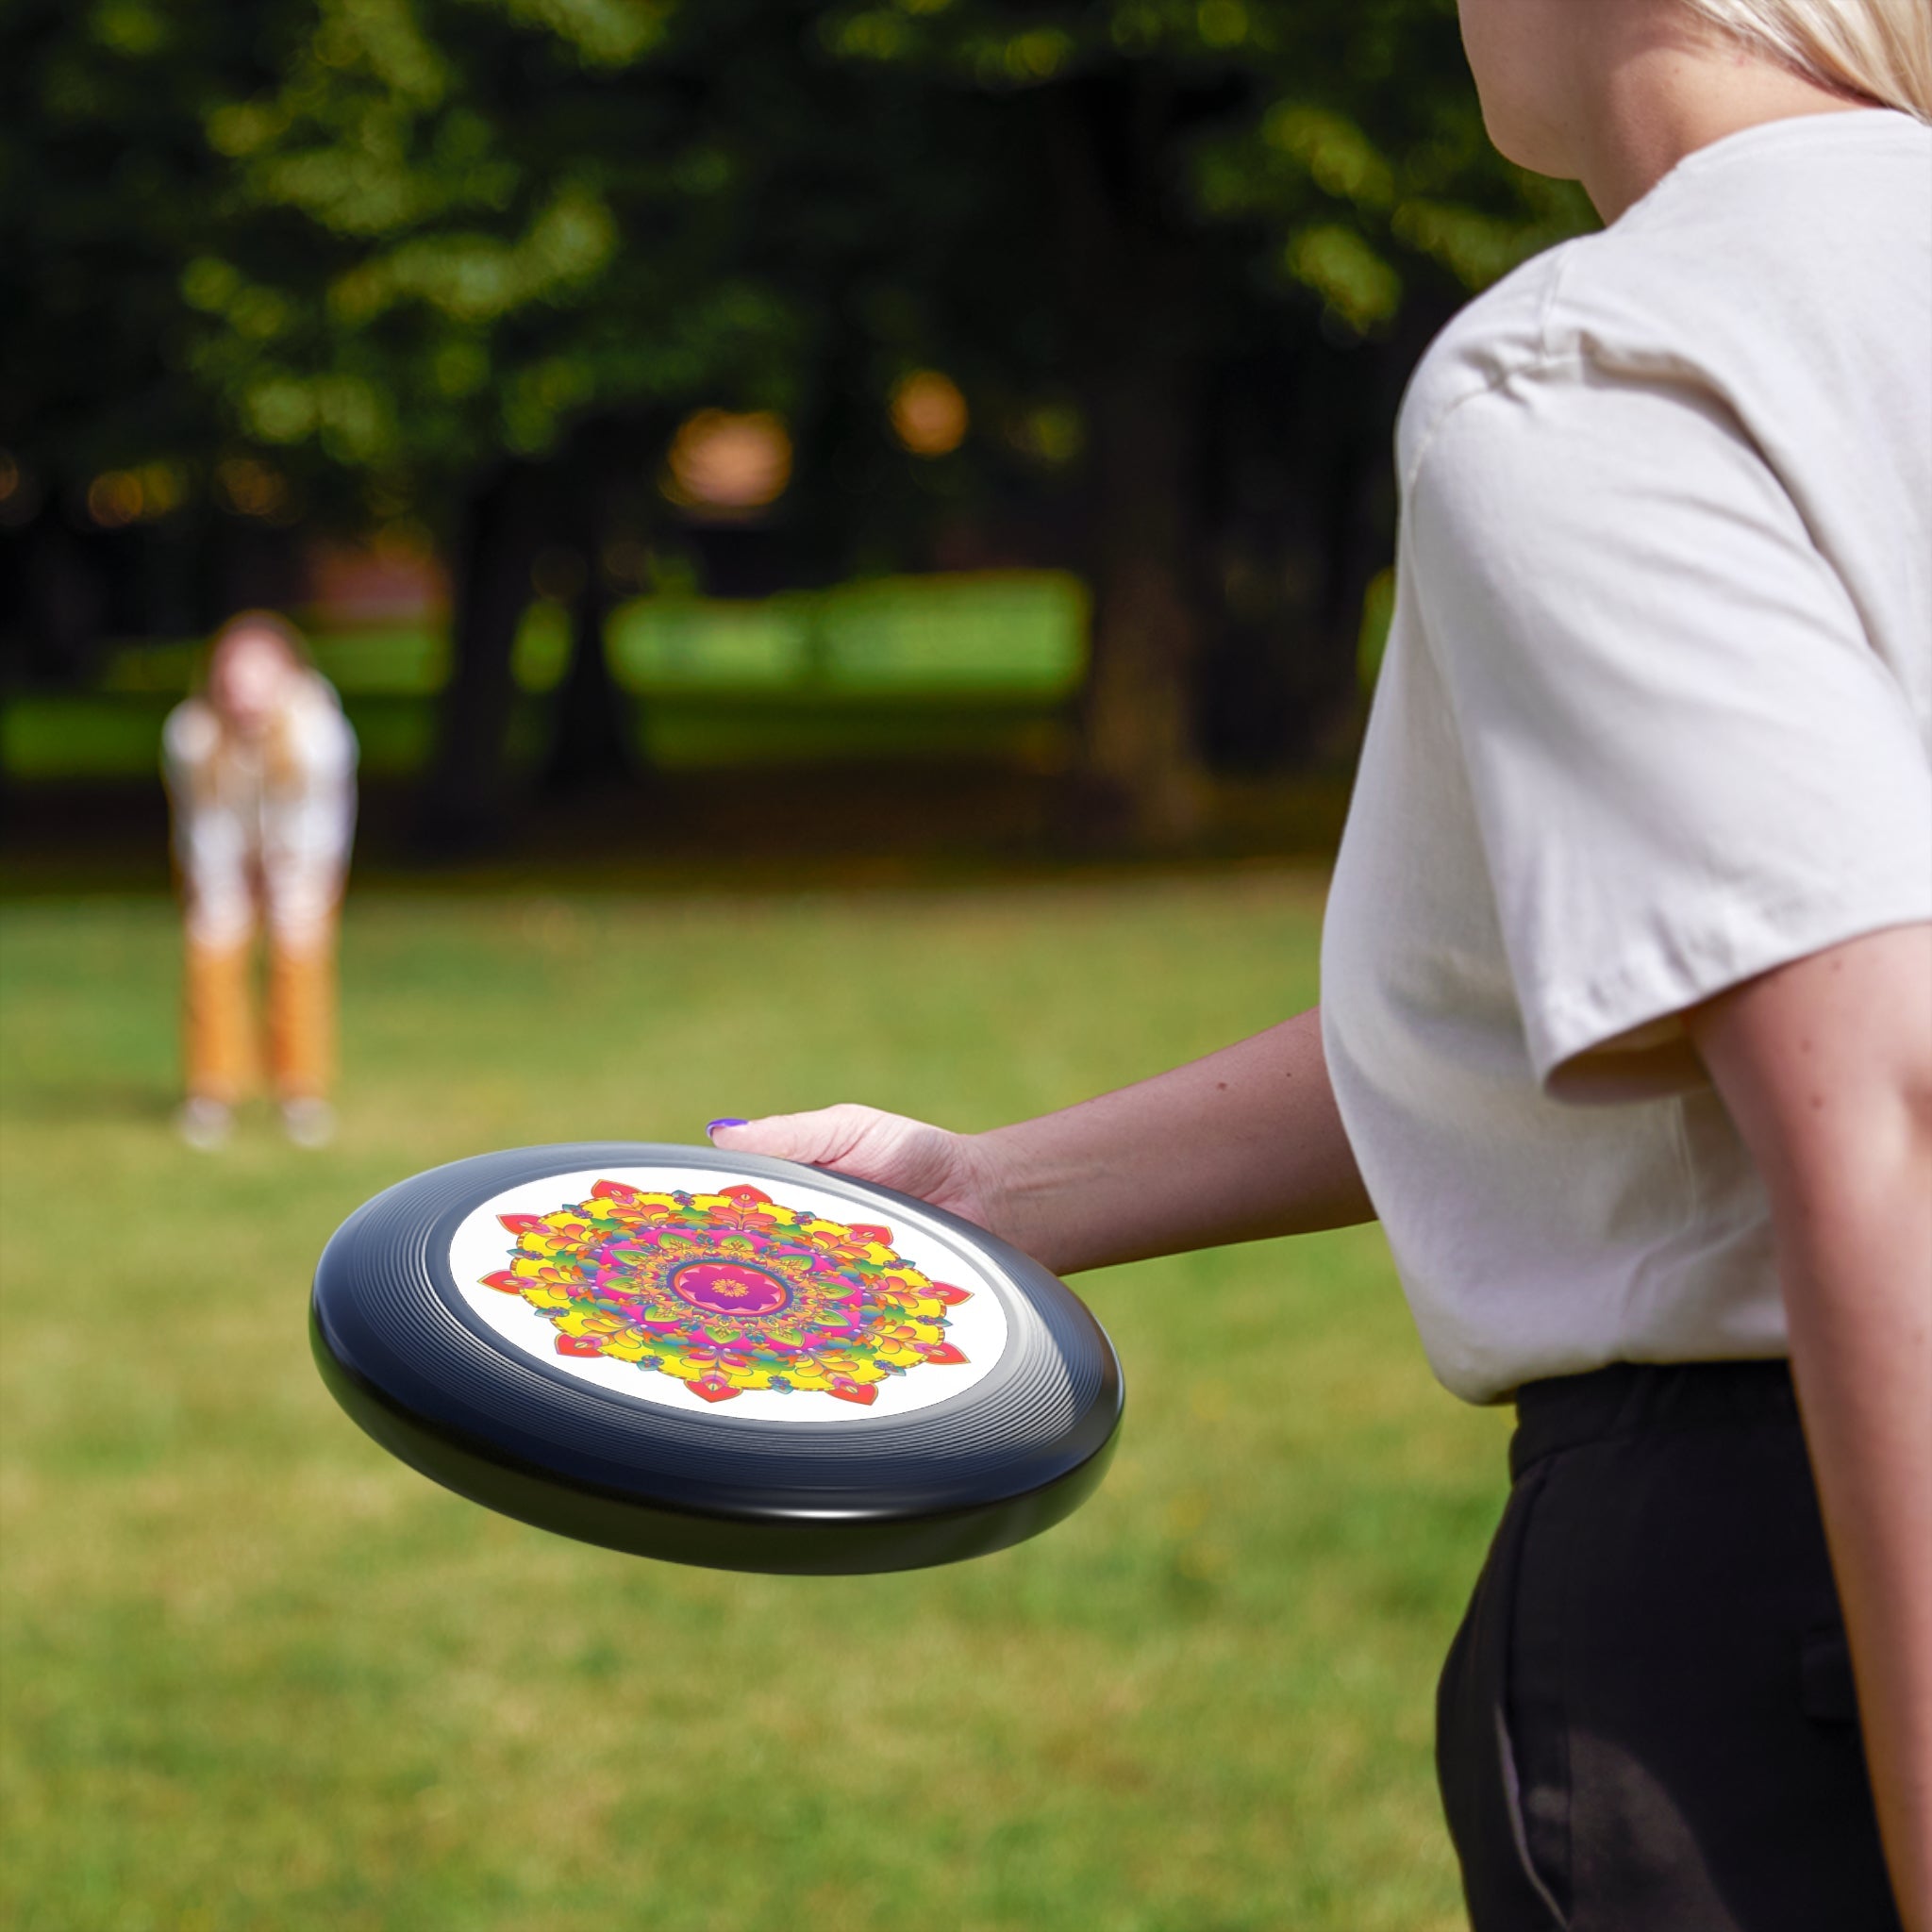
[
  {"x": 260, "y": 767},
  {"x": 1627, "y": 1030}
]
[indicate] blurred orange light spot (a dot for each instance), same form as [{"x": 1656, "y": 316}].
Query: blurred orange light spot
[
  {"x": 728, "y": 464},
  {"x": 929, "y": 415},
  {"x": 250, "y": 488},
  {"x": 115, "y": 499}
]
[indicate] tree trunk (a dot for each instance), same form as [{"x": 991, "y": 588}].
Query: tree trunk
[
  {"x": 591, "y": 742},
  {"x": 467, "y": 800},
  {"x": 1139, "y": 738},
  {"x": 63, "y": 600},
  {"x": 1132, "y": 303},
  {"x": 594, "y": 744}
]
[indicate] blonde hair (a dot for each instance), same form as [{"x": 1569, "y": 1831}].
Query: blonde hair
[{"x": 1879, "y": 50}]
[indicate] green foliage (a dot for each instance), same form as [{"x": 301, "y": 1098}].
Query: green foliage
[
  {"x": 1347, "y": 133},
  {"x": 499, "y": 238},
  {"x": 107, "y": 189},
  {"x": 396, "y": 239},
  {"x": 256, "y": 1674}
]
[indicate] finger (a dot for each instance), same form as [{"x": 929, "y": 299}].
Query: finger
[{"x": 816, "y": 1139}]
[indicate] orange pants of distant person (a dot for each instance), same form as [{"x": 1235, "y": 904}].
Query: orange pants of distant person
[{"x": 223, "y": 1041}]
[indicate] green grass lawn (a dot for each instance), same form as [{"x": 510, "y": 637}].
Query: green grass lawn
[{"x": 257, "y": 1675}]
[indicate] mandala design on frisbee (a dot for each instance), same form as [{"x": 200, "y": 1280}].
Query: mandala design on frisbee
[{"x": 730, "y": 1292}]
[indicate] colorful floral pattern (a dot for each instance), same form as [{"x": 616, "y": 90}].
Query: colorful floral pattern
[{"x": 730, "y": 1292}]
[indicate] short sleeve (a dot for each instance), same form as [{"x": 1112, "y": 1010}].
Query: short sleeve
[{"x": 1689, "y": 763}]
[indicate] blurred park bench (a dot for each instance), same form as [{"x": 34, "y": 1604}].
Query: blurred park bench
[{"x": 983, "y": 665}]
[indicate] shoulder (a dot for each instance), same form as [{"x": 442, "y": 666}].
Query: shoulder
[
  {"x": 1755, "y": 266},
  {"x": 1607, "y": 307},
  {"x": 1496, "y": 338}
]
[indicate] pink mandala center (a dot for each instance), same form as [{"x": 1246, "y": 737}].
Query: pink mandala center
[{"x": 730, "y": 1288}]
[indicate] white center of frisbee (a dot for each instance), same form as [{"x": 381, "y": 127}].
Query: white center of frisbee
[{"x": 696, "y": 1289}]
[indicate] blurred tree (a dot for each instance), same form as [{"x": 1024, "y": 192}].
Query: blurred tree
[
  {"x": 469, "y": 262},
  {"x": 1098, "y": 212},
  {"x": 531, "y": 239},
  {"x": 515, "y": 232},
  {"x": 1233, "y": 196},
  {"x": 107, "y": 189}
]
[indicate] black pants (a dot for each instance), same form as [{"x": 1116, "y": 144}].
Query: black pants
[{"x": 1646, "y": 1721}]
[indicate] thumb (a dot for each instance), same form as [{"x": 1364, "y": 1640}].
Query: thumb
[
  {"x": 818, "y": 1139},
  {"x": 909, "y": 1155}
]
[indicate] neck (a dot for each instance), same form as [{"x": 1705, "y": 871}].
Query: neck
[{"x": 1661, "y": 93}]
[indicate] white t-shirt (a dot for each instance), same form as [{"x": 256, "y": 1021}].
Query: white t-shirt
[
  {"x": 249, "y": 825},
  {"x": 1655, "y": 716}
]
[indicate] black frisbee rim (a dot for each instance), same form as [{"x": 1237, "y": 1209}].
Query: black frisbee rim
[{"x": 415, "y": 1368}]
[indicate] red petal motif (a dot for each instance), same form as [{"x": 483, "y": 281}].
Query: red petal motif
[
  {"x": 944, "y": 1353},
  {"x": 521, "y": 1223},
  {"x": 613, "y": 1191},
  {"x": 951, "y": 1296},
  {"x": 863, "y": 1393},
  {"x": 870, "y": 1231},
  {"x": 577, "y": 1345},
  {"x": 747, "y": 1196},
  {"x": 712, "y": 1387},
  {"x": 505, "y": 1282}
]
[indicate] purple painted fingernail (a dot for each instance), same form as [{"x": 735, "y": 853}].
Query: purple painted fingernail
[{"x": 714, "y": 1126}]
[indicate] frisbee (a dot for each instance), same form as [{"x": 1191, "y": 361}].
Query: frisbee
[{"x": 715, "y": 1358}]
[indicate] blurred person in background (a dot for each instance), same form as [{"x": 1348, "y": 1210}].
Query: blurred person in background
[
  {"x": 260, "y": 768},
  {"x": 1626, "y": 1021}
]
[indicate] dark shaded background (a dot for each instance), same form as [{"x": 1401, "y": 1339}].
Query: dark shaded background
[{"x": 392, "y": 314}]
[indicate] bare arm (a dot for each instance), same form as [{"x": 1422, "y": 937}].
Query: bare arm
[
  {"x": 1241, "y": 1145},
  {"x": 1827, "y": 1067}
]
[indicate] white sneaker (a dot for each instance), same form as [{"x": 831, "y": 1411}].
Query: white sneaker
[
  {"x": 309, "y": 1122},
  {"x": 204, "y": 1124}
]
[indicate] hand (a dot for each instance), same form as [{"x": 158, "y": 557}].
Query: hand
[{"x": 949, "y": 1170}]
